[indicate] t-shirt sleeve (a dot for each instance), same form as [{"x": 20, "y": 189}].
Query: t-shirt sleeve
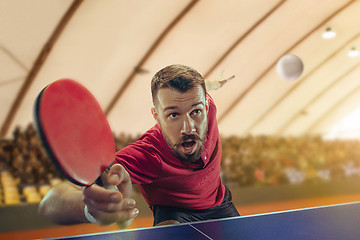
[{"x": 141, "y": 160}]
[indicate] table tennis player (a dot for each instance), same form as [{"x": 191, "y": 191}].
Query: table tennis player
[{"x": 176, "y": 163}]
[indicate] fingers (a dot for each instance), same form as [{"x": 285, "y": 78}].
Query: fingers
[
  {"x": 99, "y": 194},
  {"x": 110, "y": 213},
  {"x": 118, "y": 175},
  {"x": 109, "y": 206},
  {"x": 229, "y": 78},
  {"x": 218, "y": 83},
  {"x": 222, "y": 82},
  {"x": 125, "y": 204},
  {"x": 110, "y": 217}
]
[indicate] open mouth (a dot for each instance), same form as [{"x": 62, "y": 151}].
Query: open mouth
[{"x": 189, "y": 146}]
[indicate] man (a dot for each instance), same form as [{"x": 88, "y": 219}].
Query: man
[{"x": 176, "y": 164}]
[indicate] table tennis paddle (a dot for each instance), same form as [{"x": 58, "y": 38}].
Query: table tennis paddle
[{"x": 74, "y": 131}]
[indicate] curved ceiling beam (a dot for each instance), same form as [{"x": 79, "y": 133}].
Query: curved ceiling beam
[
  {"x": 37, "y": 66},
  {"x": 238, "y": 41},
  {"x": 154, "y": 46},
  {"x": 263, "y": 116}
]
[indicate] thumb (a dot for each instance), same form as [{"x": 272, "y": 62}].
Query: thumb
[{"x": 118, "y": 176}]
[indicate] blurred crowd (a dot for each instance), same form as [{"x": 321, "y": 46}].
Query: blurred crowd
[
  {"x": 25, "y": 157},
  {"x": 24, "y": 165},
  {"x": 246, "y": 161},
  {"x": 268, "y": 160}
]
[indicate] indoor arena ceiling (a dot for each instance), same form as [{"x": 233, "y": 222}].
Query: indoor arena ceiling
[{"x": 114, "y": 47}]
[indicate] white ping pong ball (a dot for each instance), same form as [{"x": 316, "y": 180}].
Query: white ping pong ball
[{"x": 290, "y": 67}]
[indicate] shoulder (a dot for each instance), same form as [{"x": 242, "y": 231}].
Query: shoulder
[
  {"x": 145, "y": 148},
  {"x": 142, "y": 159}
]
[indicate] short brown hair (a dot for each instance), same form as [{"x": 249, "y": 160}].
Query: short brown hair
[{"x": 178, "y": 77}]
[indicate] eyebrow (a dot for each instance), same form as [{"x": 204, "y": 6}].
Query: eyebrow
[{"x": 175, "y": 107}]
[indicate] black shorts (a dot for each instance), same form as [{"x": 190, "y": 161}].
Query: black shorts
[{"x": 183, "y": 215}]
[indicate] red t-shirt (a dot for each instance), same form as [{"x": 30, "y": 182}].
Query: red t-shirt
[{"x": 165, "y": 180}]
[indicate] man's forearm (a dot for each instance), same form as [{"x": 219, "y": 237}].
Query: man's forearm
[{"x": 63, "y": 204}]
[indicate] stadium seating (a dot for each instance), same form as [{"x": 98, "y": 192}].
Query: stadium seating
[{"x": 27, "y": 174}]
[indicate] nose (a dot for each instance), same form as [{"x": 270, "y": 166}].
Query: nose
[{"x": 188, "y": 125}]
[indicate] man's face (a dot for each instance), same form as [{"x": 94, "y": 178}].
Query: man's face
[{"x": 183, "y": 121}]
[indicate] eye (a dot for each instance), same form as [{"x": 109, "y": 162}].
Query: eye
[
  {"x": 173, "y": 115},
  {"x": 196, "y": 112}
]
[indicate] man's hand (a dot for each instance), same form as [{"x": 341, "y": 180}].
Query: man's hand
[
  {"x": 108, "y": 206},
  {"x": 217, "y": 83},
  {"x": 65, "y": 202}
]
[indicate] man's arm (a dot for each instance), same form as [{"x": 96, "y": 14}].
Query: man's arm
[{"x": 65, "y": 203}]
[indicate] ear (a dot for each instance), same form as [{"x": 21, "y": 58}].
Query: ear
[
  {"x": 207, "y": 103},
  {"x": 155, "y": 114}
]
